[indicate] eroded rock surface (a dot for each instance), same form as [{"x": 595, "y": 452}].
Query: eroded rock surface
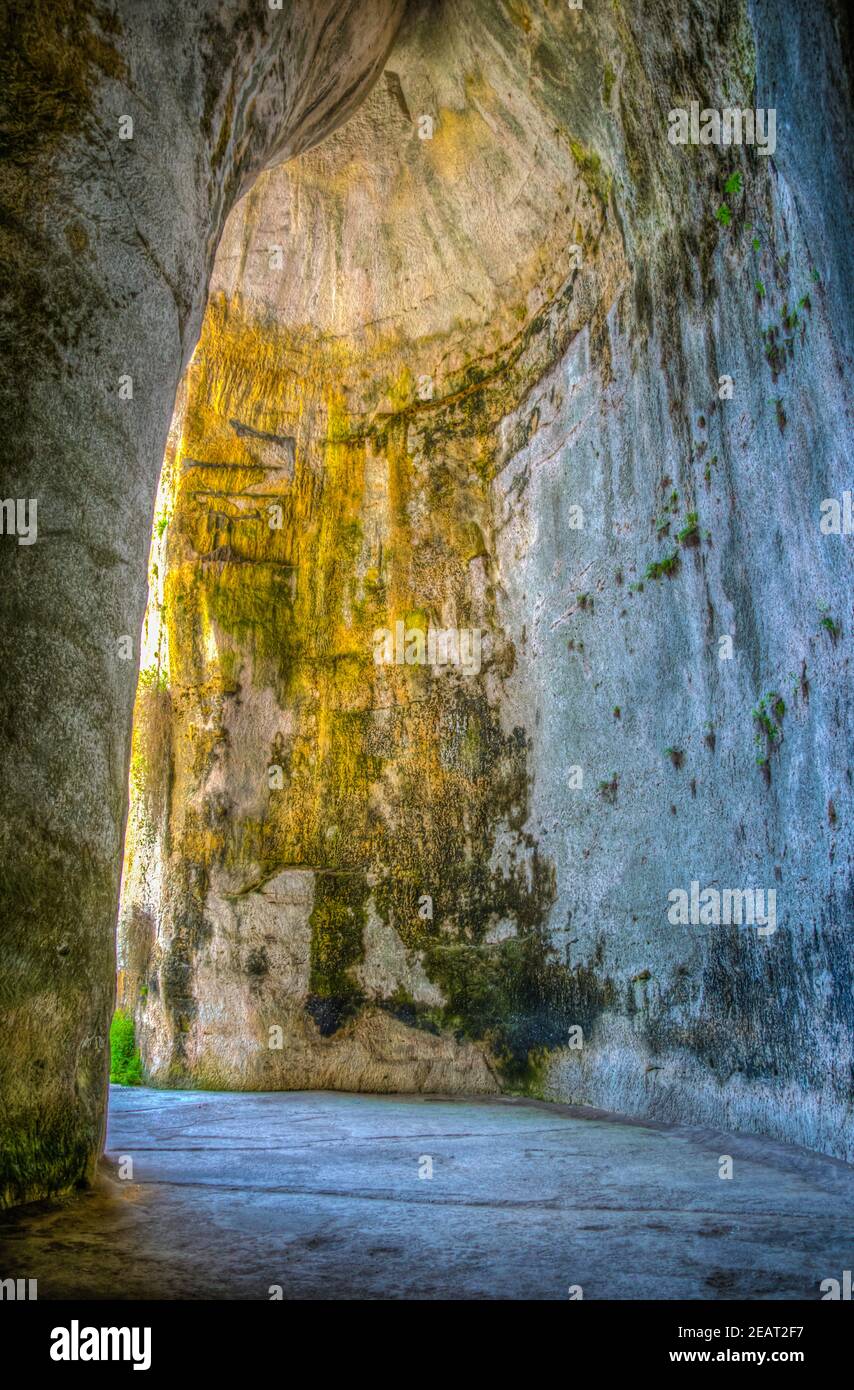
[{"x": 129, "y": 129}]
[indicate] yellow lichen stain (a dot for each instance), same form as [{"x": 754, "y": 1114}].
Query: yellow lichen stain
[
  {"x": 452, "y": 150},
  {"x": 519, "y": 15},
  {"x": 296, "y": 605},
  {"x": 315, "y": 497}
]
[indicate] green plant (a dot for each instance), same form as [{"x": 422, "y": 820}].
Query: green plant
[
  {"x": 608, "y": 790},
  {"x": 666, "y": 566},
  {"x": 676, "y": 756},
  {"x": 776, "y": 354},
  {"x": 732, "y": 187},
  {"x": 829, "y": 624},
  {"x": 690, "y": 532},
  {"x": 160, "y": 524},
  {"x": 662, "y": 523},
  {"x": 125, "y": 1061},
  {"x": 769, "y": 732},
  {"x": 153, "y": 678},
  {"x": 760, "y": 289}
]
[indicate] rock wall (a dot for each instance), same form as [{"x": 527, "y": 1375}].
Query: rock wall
[
  {"x": 500, "y": 358},
  {"x": 466, "y": 356},
  {"x": 129, "y": 130}
]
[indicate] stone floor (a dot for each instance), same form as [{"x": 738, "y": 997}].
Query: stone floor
[{"x": 328, "y": 1196}]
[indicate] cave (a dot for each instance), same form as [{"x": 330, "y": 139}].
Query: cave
[{"x": 425, "y": 674}]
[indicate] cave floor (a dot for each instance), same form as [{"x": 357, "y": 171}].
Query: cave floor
[{"x": 319, "y": 1192}]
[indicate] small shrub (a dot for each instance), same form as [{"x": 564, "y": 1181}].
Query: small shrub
[{"x": 125, "y": 1061}]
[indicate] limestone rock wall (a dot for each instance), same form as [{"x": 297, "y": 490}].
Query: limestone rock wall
[
  {"x": 467, "y": 365},
  {"x": 129, "y": 129}
]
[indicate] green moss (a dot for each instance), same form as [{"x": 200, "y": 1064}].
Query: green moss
[
  {"x": 45, "y": 1151},
  {"x": 337, "y": 924},
  {"x": 125, "y": 1061},
  {"x": 591, "y": 170},
  {"x": 519, "y": 997},
  {"x": 56, "y": 54}
]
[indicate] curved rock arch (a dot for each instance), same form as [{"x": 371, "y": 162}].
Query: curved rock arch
[{"x": 111, "y": 241}]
